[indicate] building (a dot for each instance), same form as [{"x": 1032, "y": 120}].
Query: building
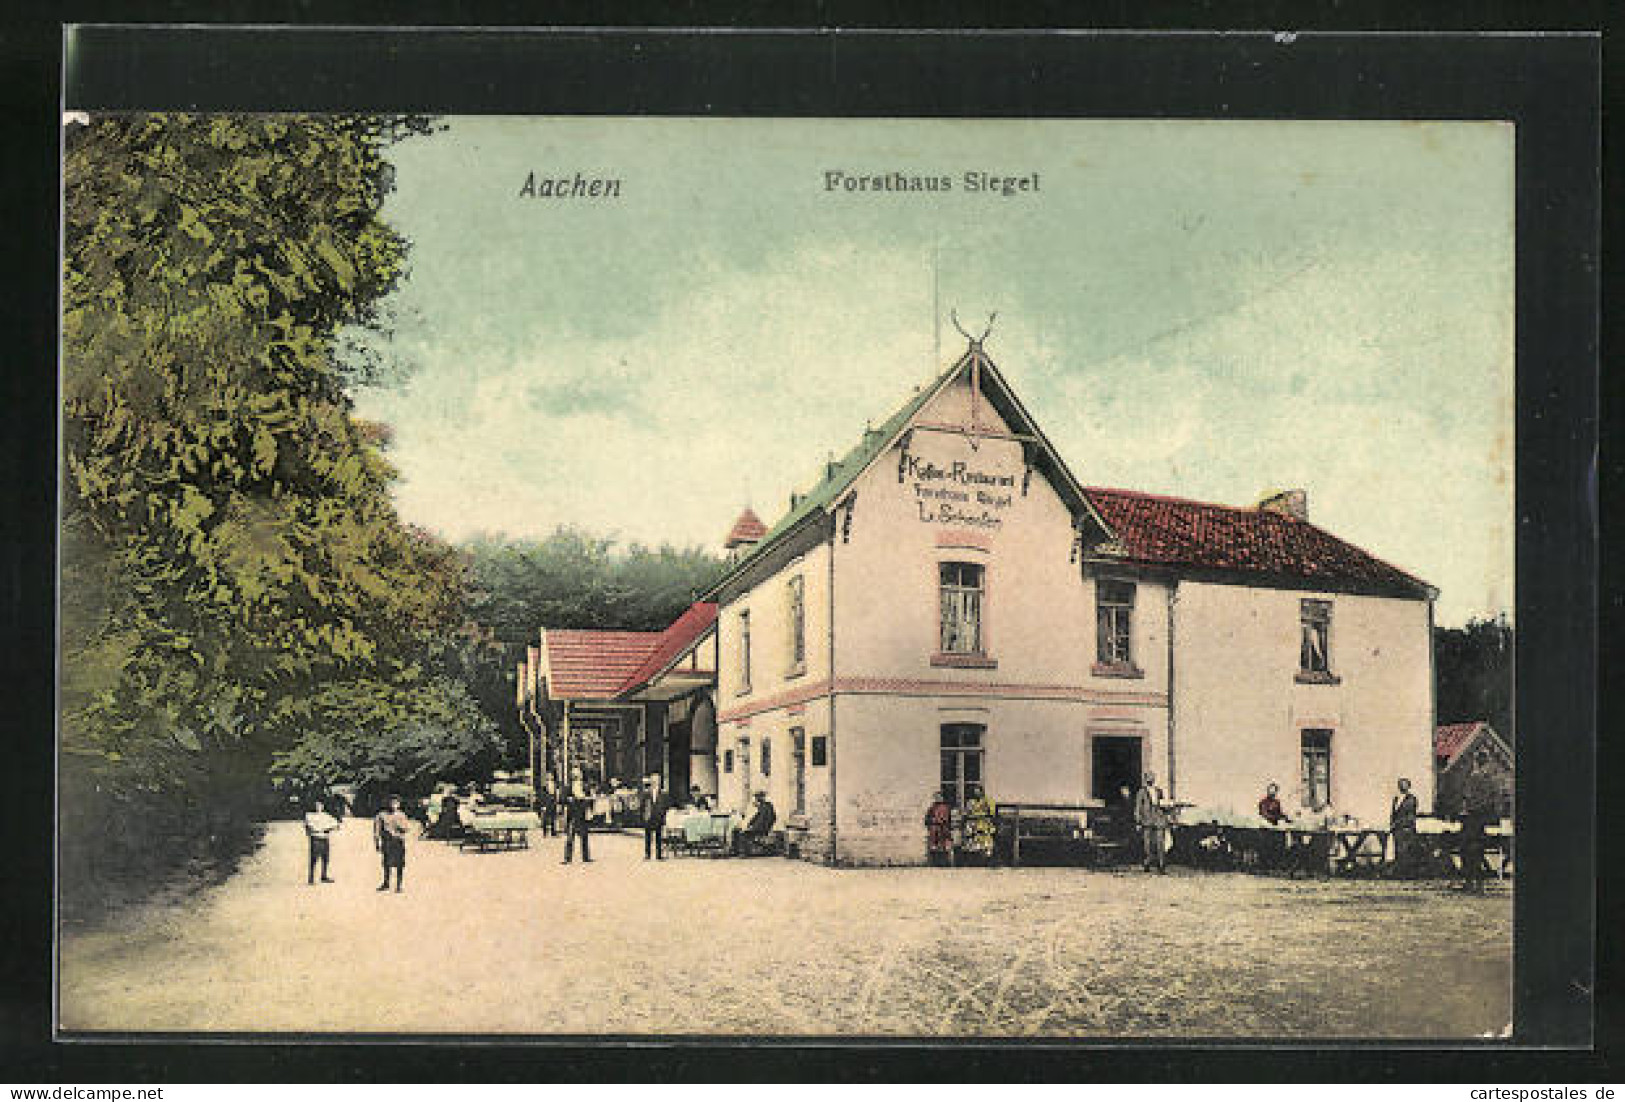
[
  {"x": 1455, "y": 745},
  {"x": 624, "y": 704},
  {"x": 949, "y": 607}
]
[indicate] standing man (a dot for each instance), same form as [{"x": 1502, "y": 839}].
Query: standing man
[
  {"x": 576, "y": 805},
  {"x": 1151, "y": 818},
  {"x": 1480, "y": 805},
  {"x": 319, "y": 827},
  {"x": 1402, "y": 825},
  {"x": 389, "y": 829},
  {"x": 652, "y": 805},
  {"x": 548, "y": 806}
]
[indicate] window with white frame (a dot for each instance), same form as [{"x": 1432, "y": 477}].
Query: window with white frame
[
  {"x": 798, "y": 757},
  {"x": 961, "y": 762},
  {"x": 797, "y": 620},
  {"x": 962, "y": 585},
  {"x": 1315, "y": 631},
  {"x": 744, "y": 651},
  {"x": 1114, "y": 615}
]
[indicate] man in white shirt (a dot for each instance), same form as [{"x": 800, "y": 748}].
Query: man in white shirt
[{"x": 319, "y": 826}]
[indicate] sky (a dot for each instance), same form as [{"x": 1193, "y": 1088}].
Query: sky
[{"x": 1210, "y": 310}]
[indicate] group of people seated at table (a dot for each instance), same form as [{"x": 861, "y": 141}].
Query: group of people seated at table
[{"x": 744, "y": 837}]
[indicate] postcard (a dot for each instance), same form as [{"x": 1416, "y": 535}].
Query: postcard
[{"x": 544, "y": 576}]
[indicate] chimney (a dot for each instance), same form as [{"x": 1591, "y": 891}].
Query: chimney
[{"x": 1289, "y": 503}]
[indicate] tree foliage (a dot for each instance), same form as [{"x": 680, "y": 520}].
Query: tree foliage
[
  {"x": 570, "y": 579},
  {"x": 233, "y": 569},
  {"x": 573, "y": 579},
  {"x": 1473, "y": 667}
]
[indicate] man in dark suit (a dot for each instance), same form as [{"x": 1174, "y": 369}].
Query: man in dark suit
[
  {"x": 547, "y": 809},
  {"x": 753, "y": 839},
  {"x": 1480, "y": 806},
  {"x": 576, "y": 806},
  {"x": 652, "y": 806}
]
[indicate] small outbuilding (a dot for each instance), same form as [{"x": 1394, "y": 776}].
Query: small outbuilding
[{"x": 1455, "y": 747}]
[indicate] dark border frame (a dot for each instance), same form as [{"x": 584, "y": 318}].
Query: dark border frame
[{"x": 1548, "y": 86}]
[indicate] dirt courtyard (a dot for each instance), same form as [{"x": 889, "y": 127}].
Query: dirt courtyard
[{"x": 517, "y": 943}]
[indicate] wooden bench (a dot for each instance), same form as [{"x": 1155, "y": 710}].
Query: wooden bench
[{"x": 1036, "y": 826}]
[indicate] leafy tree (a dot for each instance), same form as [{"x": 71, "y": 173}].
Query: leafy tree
[
  {"x": 233, "y": 567},
  {"x": 1473, "y": 668},
  {"x": 570, "y": 579},
  {"x": 575, "y": 580}
]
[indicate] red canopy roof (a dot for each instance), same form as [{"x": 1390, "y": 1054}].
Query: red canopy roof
[
  {"x": 1173, "y": 531},
  {"x": 593, "y": 665},
  {"x": 602, "y": 665},
  {"x": 677, "y": 638}
]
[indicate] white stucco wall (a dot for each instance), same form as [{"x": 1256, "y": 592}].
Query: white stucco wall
[
  {"x": 1239, "y": 712},
  {"x": 768, "y": 602},
  {"x": 1034, "y": 751},
  {"x": 1040, "y": 701}
]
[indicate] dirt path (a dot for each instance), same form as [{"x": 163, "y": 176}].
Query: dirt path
[{"x": 518, "y": 943}]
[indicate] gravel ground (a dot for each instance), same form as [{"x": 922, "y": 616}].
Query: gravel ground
[{"x": 517, "y": 943}]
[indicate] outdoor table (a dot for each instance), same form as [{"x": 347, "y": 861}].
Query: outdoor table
[
  {"x": 502, "y": 830},
  {"x": 705, "y": 831},
  {"x": 1442, "y": 839},
  {"x": 1351, "y": 854},
  {"x": 1012, "y": 815}
]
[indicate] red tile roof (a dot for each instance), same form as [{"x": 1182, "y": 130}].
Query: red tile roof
[
  {"x": 747, "y": 529},
  {"x": 677, "y": 638},
  {"x": 1173, "y": 531},
  {"x": 593, "y": 665},
  {"x": 1450, "y": 739}
]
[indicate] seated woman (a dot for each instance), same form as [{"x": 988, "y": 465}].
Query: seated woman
[
  {"x": 1269, "y": 806},
  {"x": 447, "y": 824}
]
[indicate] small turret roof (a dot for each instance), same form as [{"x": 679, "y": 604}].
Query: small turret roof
[{"x": 747, "y": 529}]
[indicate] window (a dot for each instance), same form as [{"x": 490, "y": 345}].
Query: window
[
  {"x": 798, "y": 761},
  {"x": 767, "y": 758},
  {"x": 744, "y": 651},
  {"x": 1114, "y": 610},
  {"x": 1314, "y": 651},
  {"x": 798, "y": 625},
  {"x": 961, "y": 584},
  {"x": 1317, "y": 769},
  {"x": 820, "y": 751},
  {"x": 727, "y": 761},
  {"x": 961, "y": 763}
]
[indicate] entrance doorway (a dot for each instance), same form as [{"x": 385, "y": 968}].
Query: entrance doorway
[
  {"x": 679, "y": 740},
  {"x": 1115, "y": 762}
]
